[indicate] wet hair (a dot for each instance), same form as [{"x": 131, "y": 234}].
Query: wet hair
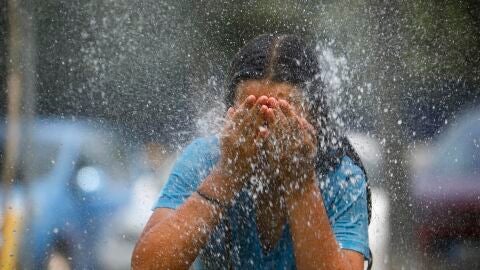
[{"x": 287, "y": 58}]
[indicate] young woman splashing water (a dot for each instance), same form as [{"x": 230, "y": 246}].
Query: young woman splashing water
[{"x": 277, "y": 189}]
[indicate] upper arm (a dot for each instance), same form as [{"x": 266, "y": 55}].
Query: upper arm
[
  {"x": 355, "y": 258},
  {"x": 349, "y": 212},
  {"x": 188, "y": 171},
  {"x": 158, "y": 215},
  {"x": 193, "y": 165}
]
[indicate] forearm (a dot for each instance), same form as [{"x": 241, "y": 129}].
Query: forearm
[
  {"x": 175, "y": 242},
  {"x": 315, "y": 245}
]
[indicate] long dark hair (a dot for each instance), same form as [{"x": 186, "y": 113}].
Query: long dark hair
[{"x": 287, "y": 58}]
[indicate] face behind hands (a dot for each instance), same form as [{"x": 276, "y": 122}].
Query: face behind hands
[{"x": 273, "y": 124}]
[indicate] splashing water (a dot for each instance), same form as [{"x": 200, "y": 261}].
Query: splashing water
[{"x": 335, "y": 73}]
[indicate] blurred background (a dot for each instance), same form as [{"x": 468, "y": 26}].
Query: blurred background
[{"x": 98, "y": 98}]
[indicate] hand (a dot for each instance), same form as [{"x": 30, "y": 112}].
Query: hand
[
  {"x": 291, "y": 147},
  {"x": 240, "y": 141}
]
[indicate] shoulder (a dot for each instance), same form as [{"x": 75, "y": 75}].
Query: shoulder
[
  {"x": 346, "y": 175},
  {"x": 192, "y": 166},
  {"x": 348, "y": 171},
  {"x": 201, "y": 151},
  {"x": 195, "y": 161},
  {"x": 343, "y": 186},
  {"x": 202, "y": 146},
  {"x": 347, "y": 209}
]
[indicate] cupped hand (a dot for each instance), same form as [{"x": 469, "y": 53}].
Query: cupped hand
[
  {"x": 291, "y": 146},
  {"x": 240, "y": 140}
]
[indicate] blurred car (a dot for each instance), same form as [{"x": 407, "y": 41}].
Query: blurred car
[
  {"x": 446, "y": 191},
  {"x": 151, "y": 169},
  {"x": 75, "y": 176}
]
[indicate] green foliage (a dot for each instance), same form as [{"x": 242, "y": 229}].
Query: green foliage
[
  {"x": 443, "y": 39},
  {"x": 229, "y": 24}
]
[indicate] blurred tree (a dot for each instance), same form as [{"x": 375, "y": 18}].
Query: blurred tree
[
  {"x": 110, "y": 59},
  {"x": 229, "y": 24},
  {"x": 3, "y": 57},
  {"x": 444, "y": 39},
  {"x": 19, "y": 87},
  {"x": 61, "y": 72},
  {"x": 442, "y": 61},
  {"x": 115, "y": 60},
  {"x": 343, "y": 27}
]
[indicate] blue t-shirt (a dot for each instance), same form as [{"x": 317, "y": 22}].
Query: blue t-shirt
[{"x": 344, "y": 196}]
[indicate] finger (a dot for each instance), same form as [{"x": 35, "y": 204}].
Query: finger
[
  {"x": 303, "y": 122},
  {"x": 250, "y": 101},
  {"x": 263, "y": 118},
  {"x": 297, "y": 125},
  {"x": 250, "y": 122},
  {"x": 230, "y": 112},
  {"x": 305, "y": 126},
  {"x": 263, "y": 132},
  {"x": 263, "y": 111},
  {"x": 272, "y": 102},
  {"x": 265, "y": 108},
  {"x": 280, "y": 126},
  {"x": 285, "y": 107},
  {"x": 238, "y": 118},
  {"x": 308, "y": 131},
  {"x": 308, "y": 126},
  {"x": 228, "y": 127},
  {"x": 228, "y": 121},
  {"x": 262, "y": 100},
  {"x": 256, "y": 116},
  {"x": 241, "y": 111},
  {"x": 261, "y": 139},
  {"x": 279, "y": 116},
  {"x": 259, "y": 120},
  {"x": 270, "y": 116},
  {"x": 309, "y": 146},
  {"x": 247, "y": 103}
]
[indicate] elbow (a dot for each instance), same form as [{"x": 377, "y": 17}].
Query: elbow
[
  {"x": 140, "y": 259},
  {"x": 148, "y": 256},
  {"x": 145, "y": 257}
]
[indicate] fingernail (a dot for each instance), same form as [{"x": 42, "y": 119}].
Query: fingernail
[
  {"x": 272, "y": 102},
  {"x": 251, "y": 98},
  {"x": 262, "y": 99}
]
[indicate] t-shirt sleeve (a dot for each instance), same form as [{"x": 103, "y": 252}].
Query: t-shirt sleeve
[
  {"x": 348, "y": 210},
  {"x": 193, "y": 165}
]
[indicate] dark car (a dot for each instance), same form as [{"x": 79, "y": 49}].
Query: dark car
[{"x": 446, "y": 192}]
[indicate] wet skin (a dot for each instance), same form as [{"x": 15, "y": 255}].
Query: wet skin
[
  {"x": 267, "y": 116},
  {"x": 281, "y": 131}
]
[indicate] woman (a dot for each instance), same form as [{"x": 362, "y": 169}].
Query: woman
[{"x": 277, "y": 189}]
